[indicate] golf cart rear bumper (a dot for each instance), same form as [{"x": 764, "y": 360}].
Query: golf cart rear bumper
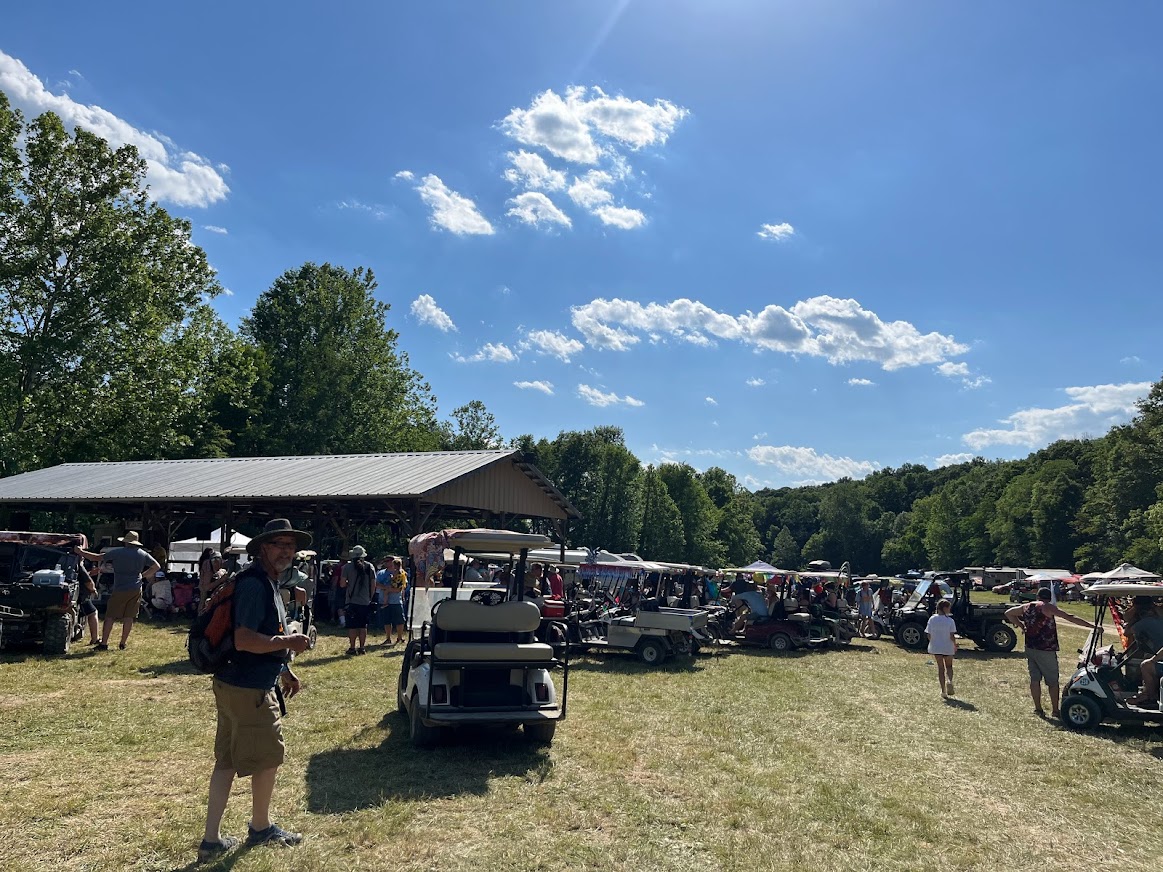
[{"x": 436, "y": 717}]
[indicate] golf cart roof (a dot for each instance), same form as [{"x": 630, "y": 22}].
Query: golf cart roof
[
  {"x": 495, "y": 541},
  {"x": 1125, "y": 588}
]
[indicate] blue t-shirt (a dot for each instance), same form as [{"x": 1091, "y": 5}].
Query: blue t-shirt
[
  {"x": 755, "y": 600},
  {"x": 128, "y": 563},
  {"x": 258, "y": 607}
]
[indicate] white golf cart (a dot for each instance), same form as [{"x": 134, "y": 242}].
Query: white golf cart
[
  {"x": 1105, "y": 680},
  {"x": 615, "y": 615},
  {"x": 468, "y": 662}
]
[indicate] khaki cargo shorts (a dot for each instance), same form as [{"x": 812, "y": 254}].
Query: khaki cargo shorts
[
  {"x": 123, "y": 604},
  {"x": 1043, "y": 665},
  {"x": 250, "y": 729}
]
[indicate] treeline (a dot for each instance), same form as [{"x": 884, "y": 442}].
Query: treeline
[{"x": 110, "y": 350}]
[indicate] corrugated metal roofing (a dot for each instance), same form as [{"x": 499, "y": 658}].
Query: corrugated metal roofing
[{"x": 389, "y": 476}]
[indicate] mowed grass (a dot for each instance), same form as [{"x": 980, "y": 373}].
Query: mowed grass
[{"x": 737, "y": 759}]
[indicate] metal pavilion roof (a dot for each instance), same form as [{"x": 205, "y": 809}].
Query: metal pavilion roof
[{"x": 501, "y": 481}]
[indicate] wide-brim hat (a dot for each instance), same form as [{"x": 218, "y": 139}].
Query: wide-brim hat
[
  {"x": 358, "y": 552},
  {"x": 130, "y": 538},
  {"x": 278, "y": 527}
]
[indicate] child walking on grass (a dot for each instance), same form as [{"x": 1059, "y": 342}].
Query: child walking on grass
[{"x": 941, "y": 631}]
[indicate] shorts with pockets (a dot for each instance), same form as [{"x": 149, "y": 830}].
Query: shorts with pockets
[
  {"x": 356, "y": 616},
  {"x": 250, "y": 729},
  {"x": 1043, "y": 665},
  {"x": 88, "y": 607},
  {"x": 123, "y": 605},
  {"x": 395, "y": 616}
]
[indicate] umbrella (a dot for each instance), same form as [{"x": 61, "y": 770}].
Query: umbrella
[{"x": 1126, "y": 570}]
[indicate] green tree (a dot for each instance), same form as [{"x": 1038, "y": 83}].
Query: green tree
[
  {"x": 603, "y": 479},
  {"x": 108, "y": 349},
  {"x": 785, "y": 552},
  {"x": 661, "y": 536},
  {"x": 1055, "y": 498},
  {"x": 334, "y": 381},
  {"x": 736, "y": 531},
  {"x": 720, "y": 486},
  {"x": 942, "y": 537},
  {"x": 472, "y": 428},
  {"x": 699, "y": 516},
  {"x": 1011, "y": 527}
]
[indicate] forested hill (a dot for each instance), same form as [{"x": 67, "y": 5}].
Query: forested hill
[
  {"x": 1077, "y": 504},
  {"x": 110, "y": 349}
]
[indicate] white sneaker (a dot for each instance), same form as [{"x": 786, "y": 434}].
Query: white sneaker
[{"x": 949, "y": 688}]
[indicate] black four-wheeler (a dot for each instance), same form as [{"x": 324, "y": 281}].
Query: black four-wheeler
[
  {"x": 984, "y": 624},
  {"x": 38, "y": 589}
]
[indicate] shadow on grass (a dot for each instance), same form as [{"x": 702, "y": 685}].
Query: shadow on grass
[
  {"x": 960, "y": 704},
  {"x": 224, "y": 862},
  {"x": 1132, "y": 736},
  {"x": 349, "y": 779},
  {"x": 981, "y": 654},
  {"x": 181, "y": 666},
  {"x": 628, "y": 664}
]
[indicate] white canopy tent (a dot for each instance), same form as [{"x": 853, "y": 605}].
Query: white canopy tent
[
  {"x": 189, "y": 550},
  {"x": 1127, "y": 571}
]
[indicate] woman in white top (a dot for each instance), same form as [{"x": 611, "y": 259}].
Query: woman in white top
[{"x": 941, "y": 631}]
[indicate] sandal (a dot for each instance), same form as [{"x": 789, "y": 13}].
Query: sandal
[{"x": 210, "y": 850}]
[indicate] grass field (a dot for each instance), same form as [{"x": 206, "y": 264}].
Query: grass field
[{"x": 737, "y": 759}]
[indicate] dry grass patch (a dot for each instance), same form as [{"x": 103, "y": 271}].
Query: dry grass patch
[{"x": 743, "y": 760}]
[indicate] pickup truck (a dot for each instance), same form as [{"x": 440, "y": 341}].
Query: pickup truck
[{"x": 38, "y": 589}]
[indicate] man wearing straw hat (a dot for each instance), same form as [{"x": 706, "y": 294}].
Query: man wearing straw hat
[{"x": 131, "y": 565}]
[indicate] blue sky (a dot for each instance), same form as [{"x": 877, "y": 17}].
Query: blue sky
[{"x": 796, "y": 240}]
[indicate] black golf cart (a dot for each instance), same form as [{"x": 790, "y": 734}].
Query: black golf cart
[{"x": 984, "y": 624}]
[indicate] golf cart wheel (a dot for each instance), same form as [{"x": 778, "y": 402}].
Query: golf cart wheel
[
  {"x": 540, "y": 734},
  {"x": 779, "y": 642},
  {"x": 422, "y": 735},
  {"x": 1080, "y": 712},
  {"x": 651, "y": 651},
  {"x": 58, "y": 634},
  {"x": 911, "y": 635},
  {"x": 312, "y": 637},
  {"x": 1000, "y": 638}
]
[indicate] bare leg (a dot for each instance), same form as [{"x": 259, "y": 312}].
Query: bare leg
[
  {"x": 941, "y": 669},
  {"x": 262, "y": 788},
  {"x": 1150, "y": 672},
  {"x": 126, "y": 626},
  {"x": 1036, "y": 693},
  {"x": 93, "y": 636},
  {"x": 1053, "y": 688},
  {"x": 220, "y": 783},
  {"x": 351, "y": 638},
  {"x": 363, "y": 638},
  {"x": 106, "y": 630}
]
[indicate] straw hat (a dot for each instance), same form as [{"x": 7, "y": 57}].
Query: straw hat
[
  {"x": 277, "y": 527},
  {"x": 131, "y": 538}
]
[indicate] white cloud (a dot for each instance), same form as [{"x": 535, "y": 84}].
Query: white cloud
[
  {"x": 553, "y": 344},
  {"x": 543, "y": 386},
  {"x": 533, "y": 207},
  {"x": 759, "y": 436},
  {"x": 214, "y": 228},
  {"x": 953, "y": 459},
  {"x": 425, "y": 310},
  {"x": 570, "y": 126},
  {"x": 595, "y": 397},
  {"x": 406, "y": 175},
  {"x": 174, "y": 176},
  {"x": 961, "y": 371},
  {"x": 805, "y": 464},
  {"x": 226, "y": 292},
  {"x": 376, "y": 211},
  {"x": 776, "y": 232},
  {"x": 1094, "y": 410},
  {"x": 622, "y": 217},
  {"x": 755, "y": 382},
  {"x": 1133, "y": 359},
  {"x": 490, "y": 352},
  {"x": 861, "y": 382},
  {"x": 839, "y": 330},
  {"x": 452, "y": 211},
  {"x": 530, "y": 171},
  {"x": 711, "y": 401}
]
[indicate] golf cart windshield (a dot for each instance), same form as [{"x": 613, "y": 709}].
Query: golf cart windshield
[{"x": 925, "y": 587}]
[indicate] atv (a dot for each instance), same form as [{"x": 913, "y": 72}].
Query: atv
[{"x": 38, "y": 589}]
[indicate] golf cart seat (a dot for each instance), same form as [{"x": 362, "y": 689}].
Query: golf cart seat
[
  {"x": 465, "y": 630},
  {"x": 800, "y": 617}
]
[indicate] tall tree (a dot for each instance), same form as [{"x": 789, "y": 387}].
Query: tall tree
[
  {"x": 785, "y": 552},
  {"x": 699, "y": 515},
  {"x": 108, "y": 349},
  {"x": 334, "y": 380},
  {"x": 603, "y": 479},
  {"x": 942, "y": 536},
  {"x": 472, "y": 428},
  {"x": 661, "y": 536},
  {"x": 736, "y": 531},
  {"x": 720, "y": 485}
]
